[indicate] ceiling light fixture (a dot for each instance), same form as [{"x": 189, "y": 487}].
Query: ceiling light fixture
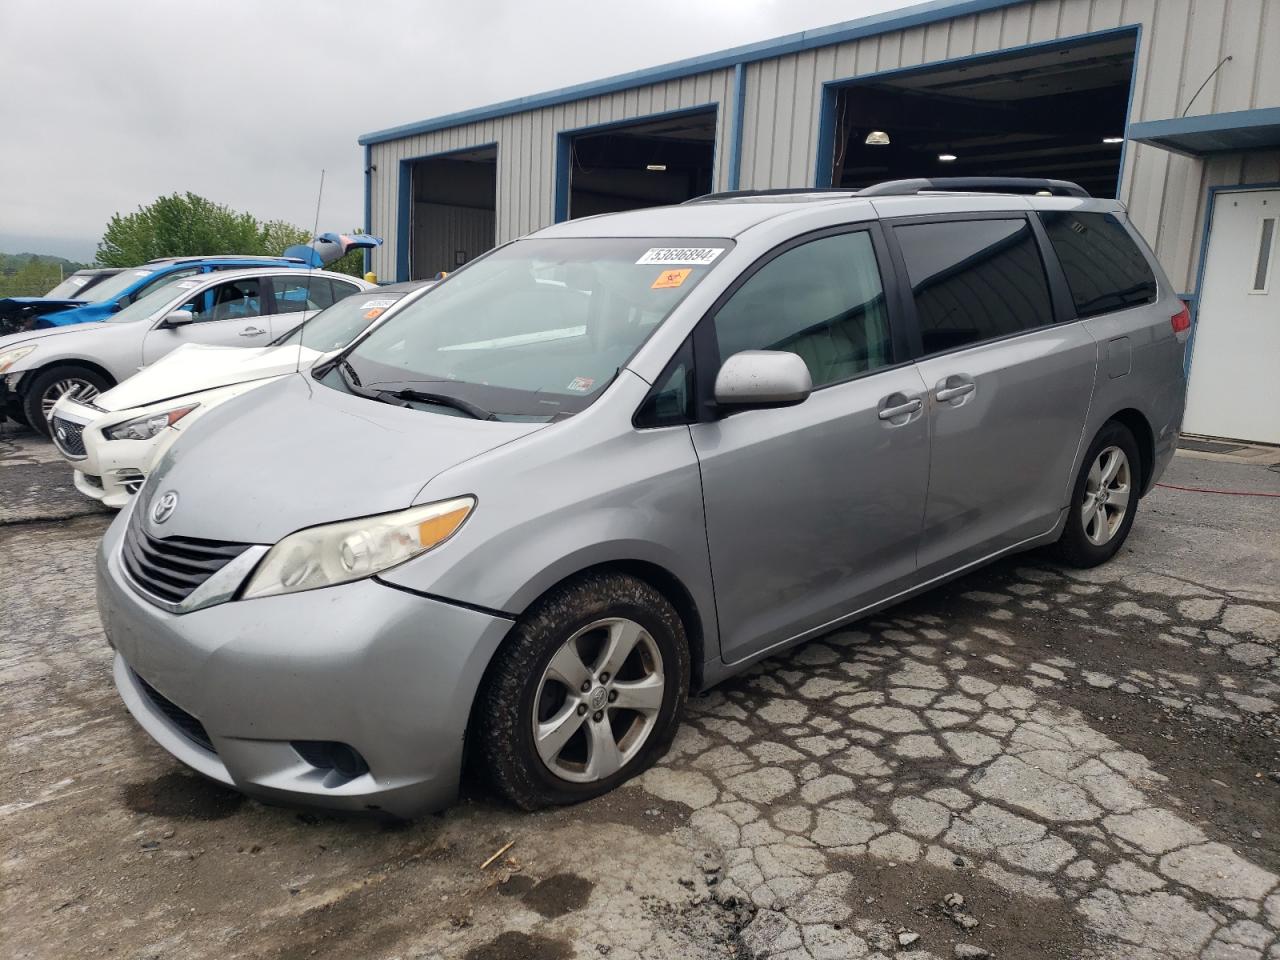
[
  {"x": 877, "y": 138},
  {"x": 1113, "y": 139},
  {"x": 946, "y": 157},
  {"x": 657, "y": 167}
]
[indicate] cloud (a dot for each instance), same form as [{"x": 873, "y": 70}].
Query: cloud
[{"x": 108, "y": 106}]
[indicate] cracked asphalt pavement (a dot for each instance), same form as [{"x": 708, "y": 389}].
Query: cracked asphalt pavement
[{"x": 1029, "y": 762}]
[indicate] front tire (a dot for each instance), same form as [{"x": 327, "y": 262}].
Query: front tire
[
  {"x": 1104, "y": 499},
  {"x": 585, "y": 693},
  {"x": 49, "y": 386}
]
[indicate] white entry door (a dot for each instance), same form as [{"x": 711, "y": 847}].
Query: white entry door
[{"x": 1235, "y": 365}]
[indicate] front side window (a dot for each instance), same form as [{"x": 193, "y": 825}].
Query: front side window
[
  {"x": 822, "y": 300},
  {"x": 974, "y": 280},
  {"x": 1105, "y": 269},
  {"x": 535, "y": 330},
  {"x": 232, "y": 300}
]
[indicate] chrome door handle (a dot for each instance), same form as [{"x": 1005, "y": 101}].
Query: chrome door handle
[
  {"x": 952, "y": 393},
  {"x": 251, "y": 332},
  {"x": 901, "y": 410}
]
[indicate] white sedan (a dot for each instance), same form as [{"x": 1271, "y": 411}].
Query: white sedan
[{"x": 115, "y": 440}]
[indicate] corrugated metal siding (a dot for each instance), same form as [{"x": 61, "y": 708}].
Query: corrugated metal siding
[
  {"x": 465, "y": 229},
  {"x": 1181, "y": 42},
  {"x": 527, "y": 151}
]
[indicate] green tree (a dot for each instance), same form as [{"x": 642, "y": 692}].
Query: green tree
[{"x": 187, "y": 225}]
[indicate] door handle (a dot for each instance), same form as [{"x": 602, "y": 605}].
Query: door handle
[
  {"x": 953, "y": 388},
  {"x": 251, "y": 332},
  {"x": 900, "y": 409}
]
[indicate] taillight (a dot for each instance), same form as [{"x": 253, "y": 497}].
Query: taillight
[{"x": 1181, "y": 321}]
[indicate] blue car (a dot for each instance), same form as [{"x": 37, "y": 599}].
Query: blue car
[{"x": 18, "y": 314}]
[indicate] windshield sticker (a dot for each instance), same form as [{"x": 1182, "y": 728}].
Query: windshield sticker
[
  {"x": 188, "y": 284},
  {"x": 79, "y": 281},
  {"x": 375, "y": 313},
  {"x": 680, "y": 256},
  {"x": 671, "y": 278},
  {"x": 581, "y": 384},
  {"x": 142, "y": 273},
  {"x": 381, "y": 304}
]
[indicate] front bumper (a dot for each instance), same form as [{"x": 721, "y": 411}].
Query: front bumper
[
  {"x": 390, "y": 673},
  {"x": 111, "y": 471}
]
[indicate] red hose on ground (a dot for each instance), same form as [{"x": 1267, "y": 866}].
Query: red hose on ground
[{"x": 1225, "y": 493}]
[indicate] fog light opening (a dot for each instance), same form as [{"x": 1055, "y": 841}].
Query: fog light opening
[{"x": 341, "y": 758}]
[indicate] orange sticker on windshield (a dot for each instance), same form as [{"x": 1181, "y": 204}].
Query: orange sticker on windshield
[
  {"x": 375, "y": 313},
  {"x": 670, "y": 278}
]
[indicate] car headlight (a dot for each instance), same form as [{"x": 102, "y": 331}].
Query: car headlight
[
  {"x": 144, "y": 428},
  {"x": 10, "y": 357},
  {"x": 355, "y": 549}
]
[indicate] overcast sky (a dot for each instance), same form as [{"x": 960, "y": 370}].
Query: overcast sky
[{"x": 108, "y": 105}]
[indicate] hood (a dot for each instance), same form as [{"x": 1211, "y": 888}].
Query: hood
[
  {"x": 294, "y": 454},
  {"x": 18, "y": 313},
  {"x": 85, "y": 313},
  {"x": 196, "y": 367},
  {"x": 39, "y": 336}
]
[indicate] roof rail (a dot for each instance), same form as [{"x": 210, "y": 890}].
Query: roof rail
[
  {"x": 1027, "y": 185},
  {"x": 775, "y": 192}
]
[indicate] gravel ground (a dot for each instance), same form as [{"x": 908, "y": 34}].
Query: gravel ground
[{"x": 1027, "y": 763}]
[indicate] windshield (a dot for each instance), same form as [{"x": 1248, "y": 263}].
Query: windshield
[
  {"x": 112, "y": 287},
  {"x": 154, "y": 300},
  {"x": 69, "y": 289},
  {"x": 535, "y": 330},
  {"x": 334, "y": 328}
]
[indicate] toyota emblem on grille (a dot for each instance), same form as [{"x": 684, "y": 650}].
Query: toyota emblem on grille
[{"x": 165, "y": 506}]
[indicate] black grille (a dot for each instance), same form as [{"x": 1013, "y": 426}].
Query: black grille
[
  {"x": 172, "y": 567},
  {"x": 189, "y": 726},
  {"x": 68, "y": 436}
]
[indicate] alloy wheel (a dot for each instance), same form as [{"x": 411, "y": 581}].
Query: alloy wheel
[
  {"x": 598, "y": 700},
  {"x": 1106, "y": 495},
  {"x": 73, "y": 387}
]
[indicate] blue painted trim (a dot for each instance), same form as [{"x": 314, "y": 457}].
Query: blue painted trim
[
  {"x": 404, "y": 202},
  {"x": 1205, "y": 233},
  {"x": 739, "y": 120},
  {"x": 1212, "y": 132},
  {"x": 367, "y": 226},
  {"x": 915, "y": 16},
  {"x": 1128, "y": 112},
  {"x": 830, "y": 88},
  {"x": 564, "y": 148}
]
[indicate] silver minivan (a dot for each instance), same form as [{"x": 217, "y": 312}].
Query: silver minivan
[{"x": 623, "y": 458}]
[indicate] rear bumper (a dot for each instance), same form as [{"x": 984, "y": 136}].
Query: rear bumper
[{"x": 389, "y": 673}]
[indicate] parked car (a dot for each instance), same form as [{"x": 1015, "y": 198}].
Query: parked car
[
  {"x": 626, "y": 457},
  {"x": 124, "y": 287},
  {"x": 230, "y": 307},
  {"x": 22, "y": 313},
  {"x": 114, "y": 441}
]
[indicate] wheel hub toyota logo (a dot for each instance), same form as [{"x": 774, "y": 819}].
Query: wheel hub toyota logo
[{"x": 165, "y": 506}]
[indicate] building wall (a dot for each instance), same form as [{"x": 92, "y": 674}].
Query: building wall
[
  {"x": 527, "y": 152},
  {"x": 469, "y": 231},
  {"x": 1180, "y": 43}
]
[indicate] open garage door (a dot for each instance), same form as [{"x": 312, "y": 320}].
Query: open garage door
[
  {"x": 644, "y": 164},
  {"x": 1056, "y": 112},
  {"x": 454, "y": 215}
]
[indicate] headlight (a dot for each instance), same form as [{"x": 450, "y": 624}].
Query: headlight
[
  {"x": 144, "y": 428},
  {"x": 10, "y": 357},
  {"x": 355, "y": 549}
]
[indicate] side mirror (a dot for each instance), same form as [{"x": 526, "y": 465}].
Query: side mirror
[
  {"x": 177, "y": 318},
  {"x": 763, "y": 378}
]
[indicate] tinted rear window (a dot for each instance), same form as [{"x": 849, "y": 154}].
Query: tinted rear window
[
  {"x": 1105, "y": 269},
  {"x": 974, "y": 280}
]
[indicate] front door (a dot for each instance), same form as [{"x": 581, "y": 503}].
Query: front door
[
  {"x": 1008, "y": 388},
  {"x": 813, "y": 511},
  {"x": 1234, "y": 390},
  {"x": 228, "y": 314}
]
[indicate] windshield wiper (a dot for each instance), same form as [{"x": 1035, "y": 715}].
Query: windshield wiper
[{"x": 441, "y": 400}]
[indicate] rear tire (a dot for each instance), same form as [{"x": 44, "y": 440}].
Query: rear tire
[
  {"x": 585, "y": 693},
  {"x": 47, "y": 387},
  {"x": 1104, "y": 499}
]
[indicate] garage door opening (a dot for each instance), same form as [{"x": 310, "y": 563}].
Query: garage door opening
[
  {"x": 644, "y": 164},
  {"x": 1055, "y": 111},
  {"x": 454, "y": 213}
]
